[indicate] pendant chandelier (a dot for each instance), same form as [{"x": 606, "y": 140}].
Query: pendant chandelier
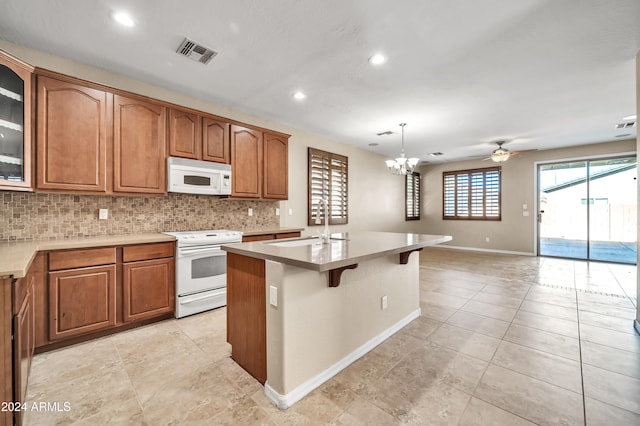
[{"x": 402, "y": 165}]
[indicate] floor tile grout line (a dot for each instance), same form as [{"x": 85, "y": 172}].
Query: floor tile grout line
[
  {"x": 584, "y": 398},
  {"x": 490, "y": 362},
  {"x": 144, "y": 416}
]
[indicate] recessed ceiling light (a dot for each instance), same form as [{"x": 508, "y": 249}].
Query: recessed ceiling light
[
  {"x": 123, "y": 19},
  {"x": 377, "y": 59},
  {"x": 373, "y": 144},
  {"x": 299, "y": 95},
  {"x": 630, "y": 117}
]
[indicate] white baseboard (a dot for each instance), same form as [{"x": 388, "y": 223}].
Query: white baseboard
[
  {"x": 521, "y": 253},
  {"x": 286, "y": 401}
]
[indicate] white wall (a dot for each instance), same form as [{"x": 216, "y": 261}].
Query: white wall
[{"x": 515, "y": 232}]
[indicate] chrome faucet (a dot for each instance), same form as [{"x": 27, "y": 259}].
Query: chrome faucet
[{"x": 326, "y": 235}]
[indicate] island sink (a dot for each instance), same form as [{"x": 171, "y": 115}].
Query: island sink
[{"x": 307, "y": 241}]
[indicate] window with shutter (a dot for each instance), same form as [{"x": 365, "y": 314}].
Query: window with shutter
[
  {"x": 412, "y": 196},
  {"x": 472, "y": 194},
  {"x": 328, "y": 178}
]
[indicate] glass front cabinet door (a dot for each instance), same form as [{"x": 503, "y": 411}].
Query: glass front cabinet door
[{"x": 15, "y": 123}]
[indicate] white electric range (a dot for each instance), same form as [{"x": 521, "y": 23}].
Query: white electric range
[{"x": 201, "y": 269}]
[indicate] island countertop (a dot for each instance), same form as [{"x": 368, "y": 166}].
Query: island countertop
[{"x": 344, "y": 250}]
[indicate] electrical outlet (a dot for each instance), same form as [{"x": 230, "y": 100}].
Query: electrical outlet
[
  {"x": 487, "y": 239},
  {"x": 273, "y": 296},
  {"x": 384, "y": 303},
  {"x": 277, "y": 212},
  {"x": 250, "y": 211},
  {"x": 103, "y": 214},
  {"x": 290, "y": 212}
]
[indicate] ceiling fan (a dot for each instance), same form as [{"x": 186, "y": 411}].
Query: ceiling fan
[{"x": 500, "y": 155}]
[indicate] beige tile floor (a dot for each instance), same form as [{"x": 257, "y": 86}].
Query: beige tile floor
[{"x": 502, "y": 340}]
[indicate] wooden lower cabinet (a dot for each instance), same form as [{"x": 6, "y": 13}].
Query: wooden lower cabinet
[
  {"x": 246, "y": 314},
  {"x": 6, "y": 348},
  {"x": 17, "y": 339},
  {"x": 23, "y": 345},
  {"x": 148, "y": 289},
  {"x": 273, "y": 236},
  {"x": 81, "y": 301},
  {"x": 96, "y": 291}
]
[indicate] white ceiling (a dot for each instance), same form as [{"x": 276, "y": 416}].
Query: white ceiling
[{"x": 461, "y": 73}]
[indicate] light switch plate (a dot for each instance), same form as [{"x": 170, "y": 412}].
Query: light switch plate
[
  {"x": 250, "y": 211},
  {"x": 103, "y": 214},
  {"x": 273, "y": 296},
  {"x": 277, "y": 211}
]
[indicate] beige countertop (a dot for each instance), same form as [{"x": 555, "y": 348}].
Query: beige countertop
[
  {"x": 15, "y": 257},
  {"x": 345, "y": 249},
  {"x": 273, "y": 230}
]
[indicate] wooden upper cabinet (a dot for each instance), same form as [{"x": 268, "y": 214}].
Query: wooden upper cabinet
[
  {"x": 15, "y": 124},
  {"x": 276, "y": 154},
  {"x": 215, "y": 140},
  {"x": 72, "y": 136},
  {"x": 185, "y": 134},
  {"x": 139, "y": 137},
  {"x": 246, "y": 161},
  {"x": 198, "y": 137}
]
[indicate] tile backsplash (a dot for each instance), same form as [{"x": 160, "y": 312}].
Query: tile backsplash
[{"x": 32, "y": 216}]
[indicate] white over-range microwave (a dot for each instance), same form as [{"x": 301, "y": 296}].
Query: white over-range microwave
[{"x": 198, "y": 177}]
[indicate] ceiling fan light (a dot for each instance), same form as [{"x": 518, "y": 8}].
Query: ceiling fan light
[{"x": 500, "y": 155}]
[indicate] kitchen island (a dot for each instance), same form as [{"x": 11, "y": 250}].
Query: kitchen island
[{"x": 299, "y": 311}]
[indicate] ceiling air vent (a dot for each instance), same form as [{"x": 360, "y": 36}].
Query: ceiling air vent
[
  {"x": 196, "y": 51},
  {"x": 625, "y": 125}
]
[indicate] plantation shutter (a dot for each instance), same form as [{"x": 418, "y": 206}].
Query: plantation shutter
[
  {"x": 472, "y": 194},
  {"x": 412, "y": 196},
  {"x": 328, "y": 178}
]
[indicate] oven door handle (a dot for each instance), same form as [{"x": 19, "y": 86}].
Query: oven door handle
[
  {"x": 213, "y": 250},
  {"x": 197, "y": 299}
]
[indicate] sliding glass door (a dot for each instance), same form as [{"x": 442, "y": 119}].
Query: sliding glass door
[{"x": 587, "y": 209}]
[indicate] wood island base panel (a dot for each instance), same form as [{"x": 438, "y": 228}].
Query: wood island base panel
[{"x": 292, "y": 331}]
